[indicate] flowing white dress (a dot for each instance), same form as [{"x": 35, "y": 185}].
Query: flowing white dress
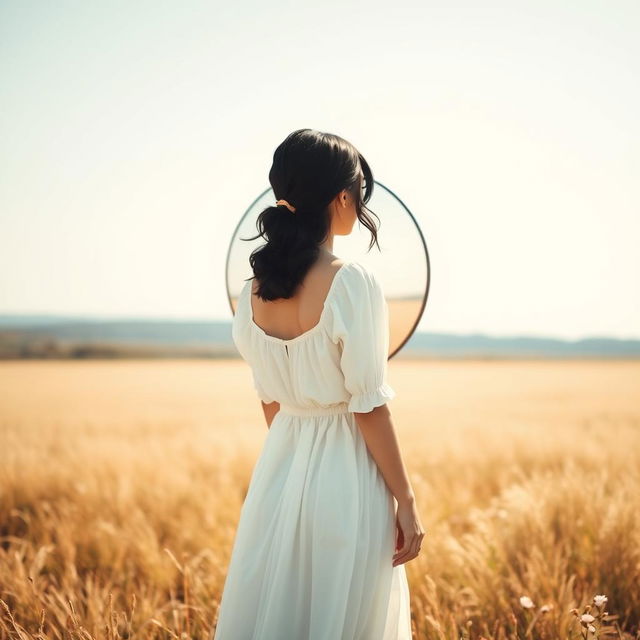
[{"x": 312, "y": 556}]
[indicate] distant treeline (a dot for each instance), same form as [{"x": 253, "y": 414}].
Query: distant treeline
[
  {"x": 37, "y": 337},
  {"x": 14, "y": 346}
]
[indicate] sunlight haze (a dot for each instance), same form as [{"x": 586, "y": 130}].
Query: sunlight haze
[{"x": 133, "y": 136}]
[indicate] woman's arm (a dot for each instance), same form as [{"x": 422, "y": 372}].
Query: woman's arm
[
  {"x": 270, "y": 409},
  {"x": 379, "y": 435},
  {"x": 378, "y": 432}
]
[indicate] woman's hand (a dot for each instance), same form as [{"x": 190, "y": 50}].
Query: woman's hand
[{"x": 409, "y": 532}]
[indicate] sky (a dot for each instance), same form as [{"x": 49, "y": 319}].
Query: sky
[{"x": 134, "y": 135}]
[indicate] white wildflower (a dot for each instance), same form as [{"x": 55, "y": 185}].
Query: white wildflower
[
  {"x": 592, "y": 628},
  {"x": 599, "y": 600},
  {"x": 526, "y": 602},
  {"x": 545, "y": 608},
  {"x": 587, "y": 617}
]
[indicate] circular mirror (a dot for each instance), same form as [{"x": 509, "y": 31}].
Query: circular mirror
[{"x": 401, "y": 263}]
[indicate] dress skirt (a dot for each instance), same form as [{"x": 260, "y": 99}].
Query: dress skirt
[{"x": 312, "y": 556}]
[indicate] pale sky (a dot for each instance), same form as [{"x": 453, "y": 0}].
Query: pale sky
[{"x": 133, "y": 136}]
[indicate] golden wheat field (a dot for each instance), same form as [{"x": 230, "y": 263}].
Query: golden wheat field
[{"x": 121, "y": 486}]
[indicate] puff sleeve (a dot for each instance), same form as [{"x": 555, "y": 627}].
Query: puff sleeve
[{"x": 361, "y": 327}]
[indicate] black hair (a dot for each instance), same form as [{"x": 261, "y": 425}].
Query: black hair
[{"x": 309, "y": 169}]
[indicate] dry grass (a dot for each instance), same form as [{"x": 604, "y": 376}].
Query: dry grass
[{"x": 121, "y": 485}]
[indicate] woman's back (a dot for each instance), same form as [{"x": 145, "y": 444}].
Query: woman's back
[
  {"x": 289, "y": 317},
  {"x": 341, "y": 358}
]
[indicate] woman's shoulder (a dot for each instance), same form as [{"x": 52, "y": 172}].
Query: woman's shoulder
[
  {"x": 356, "y": 274},
  {"x": 355, "y": 285},
  {"x": 356, "y": 303}
]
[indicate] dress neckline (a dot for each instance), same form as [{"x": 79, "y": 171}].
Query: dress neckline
[{"x": 304, "y": 334}]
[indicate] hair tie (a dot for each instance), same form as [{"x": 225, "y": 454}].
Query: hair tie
[{"x": 286, "y": 204}]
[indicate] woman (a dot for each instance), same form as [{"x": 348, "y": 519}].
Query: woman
[{"x": 313, "y": 556}]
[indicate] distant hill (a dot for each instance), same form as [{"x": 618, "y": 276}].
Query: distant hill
[
  {"x": 42, "y": 336},
  {"x": 478, "y": 344}
]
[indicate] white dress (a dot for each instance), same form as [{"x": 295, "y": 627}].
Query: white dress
[{"x": 312, "y": 556}]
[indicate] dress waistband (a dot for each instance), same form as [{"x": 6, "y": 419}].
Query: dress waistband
[{"x": 341, "y": 407}]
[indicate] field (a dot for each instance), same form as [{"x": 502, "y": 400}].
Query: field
[{"x": 121, "y": 484}]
